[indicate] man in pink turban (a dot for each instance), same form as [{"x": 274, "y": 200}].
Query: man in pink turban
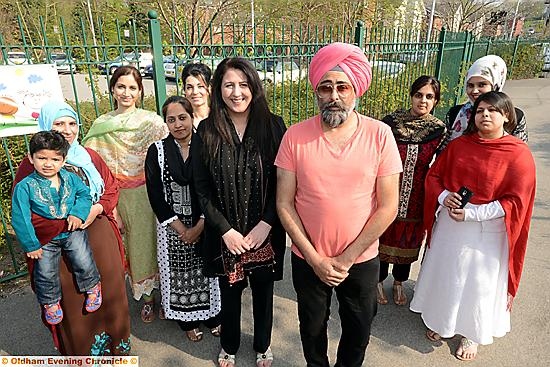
[
  {"x": 345, "y": 57},
  {"x": 337, "y": 191}
]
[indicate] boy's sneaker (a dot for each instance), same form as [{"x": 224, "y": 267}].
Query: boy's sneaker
[
  {"x": 94, "y": 298},
  {"x": 53, "y": 313}
]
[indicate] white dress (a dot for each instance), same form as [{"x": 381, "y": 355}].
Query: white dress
[{"x": 463, "y": 281}]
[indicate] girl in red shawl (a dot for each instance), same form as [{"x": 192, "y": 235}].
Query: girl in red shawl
[{"x": 471, "y": 270}]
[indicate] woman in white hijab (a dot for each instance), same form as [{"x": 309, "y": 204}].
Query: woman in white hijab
[{"x": 486, "y": 74}]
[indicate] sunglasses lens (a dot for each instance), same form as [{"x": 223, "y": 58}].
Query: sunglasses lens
[
  {"x": 343, "y": 89},
  {"x": 324, "y": 90}
]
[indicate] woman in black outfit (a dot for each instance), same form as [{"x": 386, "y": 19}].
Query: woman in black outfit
[
  {"x": 188, "y": 296},
  {"x": 235, "y": 181}
]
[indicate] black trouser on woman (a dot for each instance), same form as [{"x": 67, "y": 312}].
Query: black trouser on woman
[
  {"x": 400, "y": 272},
  {"x": 357, "y": 308},
  {"x": 210, "y": 323},
  {"x": 262, "y": 310}
]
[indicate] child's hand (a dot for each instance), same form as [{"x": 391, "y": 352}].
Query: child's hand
[
  {"x": 74, "y": 222},
  {"x": 36, "y": 254}
]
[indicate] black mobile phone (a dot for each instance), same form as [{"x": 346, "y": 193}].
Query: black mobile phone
[{"x": 466, "y": 195}]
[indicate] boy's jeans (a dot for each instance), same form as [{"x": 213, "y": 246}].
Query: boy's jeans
[{"x": 80, "y": 260}]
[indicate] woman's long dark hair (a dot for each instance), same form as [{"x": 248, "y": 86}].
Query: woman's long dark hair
[
  {"x": 502, "y": 103},
  {"x": 218, "y": 127}
]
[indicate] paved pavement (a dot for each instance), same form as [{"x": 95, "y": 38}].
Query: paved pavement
[{"x": 397, "y": 335}]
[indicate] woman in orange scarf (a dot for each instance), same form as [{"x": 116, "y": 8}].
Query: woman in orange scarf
[{"x": 471, "y": 270}]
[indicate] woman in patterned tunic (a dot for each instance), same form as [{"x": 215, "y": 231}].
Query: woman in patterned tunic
[
  {"x": 188, "y": 295},
  {"x": 121, "y": 138},
  {"x": 418, "y": 135}
]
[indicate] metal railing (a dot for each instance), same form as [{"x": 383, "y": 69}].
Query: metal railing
[{"x": 281, "y": 55}]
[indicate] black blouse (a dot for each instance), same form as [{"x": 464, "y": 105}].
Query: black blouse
[
  {"x": 181, "y": 172},
  {"x": 234, "y": 193}
]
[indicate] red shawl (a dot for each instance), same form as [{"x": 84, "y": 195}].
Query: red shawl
[{"x": 498, "y": 169}]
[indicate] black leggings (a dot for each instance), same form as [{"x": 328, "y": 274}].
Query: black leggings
[
  {"x": 400, "y": 272},
  {"x": 262, "y": 313},
  {"x": 210, "y": 323}
]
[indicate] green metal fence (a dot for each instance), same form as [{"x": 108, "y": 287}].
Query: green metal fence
[{"x": 281, "y": 55}]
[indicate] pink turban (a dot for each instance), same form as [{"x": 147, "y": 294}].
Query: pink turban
[{"x": 350, "y": 58}]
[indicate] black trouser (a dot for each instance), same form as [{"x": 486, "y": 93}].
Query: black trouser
[
  {"x": 262, "y": 311},
  {"x": 357, "y": 308},
  {"x": 400, "y": 272},
  {"x": 209, "y": 323}
]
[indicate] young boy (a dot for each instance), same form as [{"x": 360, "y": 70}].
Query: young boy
[{"x": 55, "y": 194}]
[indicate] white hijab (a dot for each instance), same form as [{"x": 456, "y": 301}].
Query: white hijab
[{"x": 491, "y": 68}]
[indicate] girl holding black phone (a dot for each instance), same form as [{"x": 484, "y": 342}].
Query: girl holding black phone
[{"x": 472, "y": 266}]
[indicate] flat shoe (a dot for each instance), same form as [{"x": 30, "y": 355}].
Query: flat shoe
[
  {"x": 433, "y": 336},
  {"x": 94, "y": 298},
  {"x": 195, "y": 335},
  {"x": 225, "y": 359},
  {"x": 380, "y": 295},
  {"x": 264, "y": 359},
  {"x": 399, "y": 296},
  {"x": 148, "y": 312},
  {"x": 53, "y": 313},
  {"x": 216, "y": 331},
  {"x": 466, "y": 346}
]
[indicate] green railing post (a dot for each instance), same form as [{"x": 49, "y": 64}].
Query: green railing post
[
  {"x": 511, "y": 69},
  {"x": 158, "y": 66},
  {"x": 440, "y": 51},
  {"x": 488, "y": 46},
  {"x": 359, "y": 38},
  {"x": 466, "y": 55}
]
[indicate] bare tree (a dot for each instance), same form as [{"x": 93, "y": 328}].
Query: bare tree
[
  {"x": 461, "y": 15},
  {"x": 186, "y": 16}
]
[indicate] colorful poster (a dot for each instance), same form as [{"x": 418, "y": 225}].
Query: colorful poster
[{"x": 23, "y": 91}]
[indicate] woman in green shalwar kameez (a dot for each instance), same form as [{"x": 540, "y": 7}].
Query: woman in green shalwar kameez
[{"x": 121, "y": 138}]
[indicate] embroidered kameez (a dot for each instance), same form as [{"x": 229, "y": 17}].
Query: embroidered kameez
[
  {"x": 187, "y": 293},
  {"x": 418, "y": 139}
]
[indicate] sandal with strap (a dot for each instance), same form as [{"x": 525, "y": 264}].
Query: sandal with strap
[
  {"x": 216, "y": 331},
  {"x": 467, "y": 350},
  {"x": 380, "y": 295},
  {"x": 399, "y": 296},
  {"x": 195, "y": 335},
  {"x": 225, "y": 359},
  {"x": 264, "y": 359},
  {"x": 53, "y": 313},
  {"x": 148, "y": 312},
  {"x": 94, "y": 298},
  {"x": 433, "y": 336}
]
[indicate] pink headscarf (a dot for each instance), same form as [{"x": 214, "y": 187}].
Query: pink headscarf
[{"x": 350, "y": 58}]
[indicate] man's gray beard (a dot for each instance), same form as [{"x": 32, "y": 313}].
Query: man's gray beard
[{"x": 334, "y": 118}]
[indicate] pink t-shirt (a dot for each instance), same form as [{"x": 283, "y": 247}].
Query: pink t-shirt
[{"x": 335, "y": 193}]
